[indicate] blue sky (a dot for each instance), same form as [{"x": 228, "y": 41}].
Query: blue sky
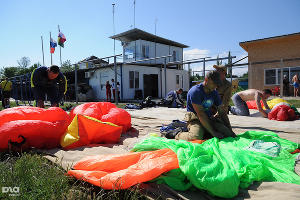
[{"x": 209, "y": 27}]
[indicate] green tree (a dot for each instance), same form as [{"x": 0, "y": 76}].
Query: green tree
[
  {"x": 9, "y": 72},
  {"x": 67, "y": 67}
]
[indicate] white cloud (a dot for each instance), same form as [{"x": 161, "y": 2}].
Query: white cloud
[
  {"x": 195, "y": 53},
  {"x": 201, "y": 53}
]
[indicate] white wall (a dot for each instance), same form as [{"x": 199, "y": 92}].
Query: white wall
[
  {"x": 171, "y": 79},
  {"x": 100, "y": 76}
]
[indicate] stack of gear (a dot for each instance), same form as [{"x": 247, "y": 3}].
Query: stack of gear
[
  {"x": 147, "y": 102},
  {"x": 171, "y": 130},
  {"x": 91, "y": 123}
]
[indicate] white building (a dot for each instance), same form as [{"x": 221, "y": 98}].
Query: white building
[{"x": 146, "y": 78}]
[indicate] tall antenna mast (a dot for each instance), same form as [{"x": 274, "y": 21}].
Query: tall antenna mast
[
  {"x": 133, "y": 13},
  {"x": 155, "y": 24},
  {"x": 114, "y": 27}
]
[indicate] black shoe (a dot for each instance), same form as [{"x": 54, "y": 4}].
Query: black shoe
[{"x": 229, "y": 109}]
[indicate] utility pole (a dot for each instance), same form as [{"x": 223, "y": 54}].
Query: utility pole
[
  {"x": 165, "y": 66},
  {"x": 76, "y": 84},
  {"x": 281, "y": 78},
  {"x": 230, "y": 66},
  {"x": 115, "y": 59},
  {"x": 204, "y": 66}
]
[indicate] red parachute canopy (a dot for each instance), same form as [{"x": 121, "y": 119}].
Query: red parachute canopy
[
  {"x": 41, "y": 128},
  {"x": 105, "y": 112},
  {"x": 282, "y": 113}
]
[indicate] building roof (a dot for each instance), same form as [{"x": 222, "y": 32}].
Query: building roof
[
  {"x": 246, "y": 44},
  {"x": 136, "y": 34},
  {"x": 94, "y": 60}
]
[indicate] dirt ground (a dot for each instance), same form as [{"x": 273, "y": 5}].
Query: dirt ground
[{"x": 149, "y": 120}]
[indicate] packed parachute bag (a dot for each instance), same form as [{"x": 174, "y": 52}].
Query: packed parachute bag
[
  {"x": 95, "y": 123},
  {"x": 171, "y": 130},
  {"x": 25, "y": 127},
  {"x": 147, "y": 103}
]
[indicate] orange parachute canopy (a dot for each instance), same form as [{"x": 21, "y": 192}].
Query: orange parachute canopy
[
  {"x": 41, "y": 128},
  {"x": 125, "y": 170},
  {"x": 85, "y": 130},
  {"x": 105, "y": 112}
]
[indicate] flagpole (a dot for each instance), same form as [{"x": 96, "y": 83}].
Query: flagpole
[
  {"x": 43, "y": 50},
  {"x": 59, "y": 47},
  {"x": 50, "y": 50}
]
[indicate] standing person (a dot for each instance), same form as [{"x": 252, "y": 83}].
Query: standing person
[
  {"x": 113, "y": 89},
  {"x": 48, "y": 81},
  {"x": 108, "y": 92},
  {"x": 296, "y": 85},
  {"x": 201, "y": 122},
  {"x": 240, "y": 106},
  {"x": 6, "y": 87},
  {"x": 173, "y": 99},
  {"x": 224, "y": 90},
  {"x": 286, "y": 86},
  {"x": 118, "y": 87}
]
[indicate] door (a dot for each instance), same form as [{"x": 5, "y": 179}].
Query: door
[{"x": 151, "y": 85}]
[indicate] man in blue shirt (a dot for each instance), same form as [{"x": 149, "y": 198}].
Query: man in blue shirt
[
  {"x": 202, "y": 121},
  {"x": 48, "y": 81},
  {"x": 173, "y": 99}
]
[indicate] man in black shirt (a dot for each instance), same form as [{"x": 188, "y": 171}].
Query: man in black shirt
[{"x": 48, "y": 81}]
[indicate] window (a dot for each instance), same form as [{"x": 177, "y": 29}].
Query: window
[
  {"x": 285, "y": 72},
  {"x": 177, "y": 79},
  {"x": 145, "y": 51},
  {"x": 131, "y": 79},
  {"x": 273, "y": 76},
  {"x": 174, "y": 56},
  {"x": 134, "y": 80},
  {"x": 270, "y": 76}
]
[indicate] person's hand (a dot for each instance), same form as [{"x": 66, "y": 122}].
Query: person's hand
[{"x": 264, "y": 114}]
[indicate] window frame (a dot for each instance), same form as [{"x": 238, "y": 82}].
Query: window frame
[
  {"x": 277, "y": 72},
  {"x": 134, "y": 79}
]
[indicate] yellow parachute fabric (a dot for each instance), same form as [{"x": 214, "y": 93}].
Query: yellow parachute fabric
[
  {"x": 275, "y": 101},
  {"x": 85, "y": 130}
]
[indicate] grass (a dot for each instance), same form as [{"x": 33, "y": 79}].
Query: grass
[
  {"x": 38, "y": 178},
  {"x": 296, "y": 103}
]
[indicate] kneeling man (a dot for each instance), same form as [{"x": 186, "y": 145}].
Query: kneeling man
[
  {"x": 240, "y": 106},
  {"x": 202, "y": 122}
]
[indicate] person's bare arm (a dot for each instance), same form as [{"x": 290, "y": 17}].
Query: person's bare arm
[
  {"x": 257, "y": 100},
  {"x": 265, "y": 104},
  {"x": 205, "y": 121}
]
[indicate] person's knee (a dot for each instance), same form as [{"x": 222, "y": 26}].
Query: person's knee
[
  {"x": 196, "y": 132},
  {"x": 244, "y": 113}
]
